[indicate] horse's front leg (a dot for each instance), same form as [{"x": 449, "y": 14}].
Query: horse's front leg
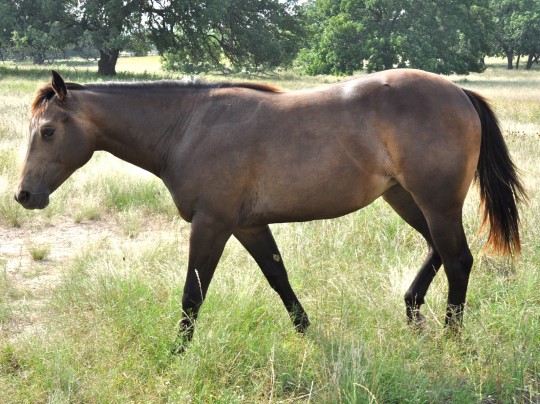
[{"x": 207, "y": 241}]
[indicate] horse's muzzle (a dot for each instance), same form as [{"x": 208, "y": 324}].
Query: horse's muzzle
[{"x": 32, "y": 200}]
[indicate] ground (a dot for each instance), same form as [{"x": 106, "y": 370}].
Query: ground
[{"x": 32, "y": 280}]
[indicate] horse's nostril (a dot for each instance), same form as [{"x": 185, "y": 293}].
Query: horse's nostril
[{"x": 22, "y": 196}]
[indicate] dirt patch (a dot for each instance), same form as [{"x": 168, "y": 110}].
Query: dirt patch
[
  {"x": 64, "y": 240},
  {"x": 30, "y": 281}
]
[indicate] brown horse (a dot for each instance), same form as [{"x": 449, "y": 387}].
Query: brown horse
[{"x": 237, "y": 157}]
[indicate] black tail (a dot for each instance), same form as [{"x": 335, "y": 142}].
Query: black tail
[{"x": 500, "y": 186}]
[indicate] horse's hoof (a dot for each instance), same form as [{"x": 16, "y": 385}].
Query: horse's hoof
[
  {"x": 453, "y": 328},
  {"x": 185, "y": 335},
  {"x": 301, "y": 325},
  {"x": 179, "y": 347}
]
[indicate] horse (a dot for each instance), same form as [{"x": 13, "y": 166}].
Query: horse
[{"x": 238, "y": 157}]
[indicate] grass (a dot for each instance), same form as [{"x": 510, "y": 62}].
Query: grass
[
  {"x": 104, "y": 333},
  {"x": 5, "y": 297},
  {"x": 39, "y": 252}
]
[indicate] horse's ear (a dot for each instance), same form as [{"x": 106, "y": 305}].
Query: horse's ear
[{"x": 58, "y": 85}]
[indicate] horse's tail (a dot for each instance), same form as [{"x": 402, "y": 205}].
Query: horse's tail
[{"x": 499, "y": 183}]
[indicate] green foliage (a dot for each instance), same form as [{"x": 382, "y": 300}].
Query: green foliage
[
  {"x": 447, "y": 37},
  {"x": 319, "y": 36},
  {"x": 518, "y": 29},
  {"x": 228, "y": 34},
  {"x": 44, "y": 29},
  {"x": 111, "y": 26},
  {"x": 7, "y": 24},
  {"x": 336, "y": 50},
  {"x": 443, "y": 37},
  {"x": 194, "y": 37},
  {"x": 35, "y": 29}
]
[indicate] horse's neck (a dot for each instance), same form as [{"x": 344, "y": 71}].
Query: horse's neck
[{"x": 136, "y": 132}]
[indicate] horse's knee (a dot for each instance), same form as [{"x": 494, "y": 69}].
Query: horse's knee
[{"x": 434, "y": 258}]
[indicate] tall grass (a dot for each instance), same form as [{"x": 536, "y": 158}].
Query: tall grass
[{"x": 107, "y": 329}]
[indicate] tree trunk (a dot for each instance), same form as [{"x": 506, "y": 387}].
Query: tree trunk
[
  {"x": 107, "y": 62},
  {"x": 530, "y": 61},
  {"x": 38, "y": 58},
  {"x": 510, "y": 59},
  {"x": 517, "y": 62}
]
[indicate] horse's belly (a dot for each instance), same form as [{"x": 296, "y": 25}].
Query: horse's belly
[{"x": 302, "y": 202}]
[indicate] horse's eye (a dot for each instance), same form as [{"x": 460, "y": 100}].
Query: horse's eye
[{"x": 47, "y": 132}]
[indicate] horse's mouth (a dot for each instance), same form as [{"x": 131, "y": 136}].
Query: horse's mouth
[{"x": 32, "y": 200}]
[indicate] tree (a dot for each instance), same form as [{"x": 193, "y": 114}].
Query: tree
[
  {"x": 7, "y": 25},
  {"x": 446, "y": 37},
  {"x": 335, "y": 45},
  {"x": 36, "y": 28},
  {"x": 195, "y": 35},
  {"x": 506, "y": 36},
  {"x": 527, "y": 25},
  {"x": 439, "y": 36},
  {"x": 518, "y": 30},
  {"x": 107, "y": 24},
  {"x": 532, "y": 42}
]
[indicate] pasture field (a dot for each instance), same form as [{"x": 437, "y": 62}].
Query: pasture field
[{"x": 90, "y": 288}]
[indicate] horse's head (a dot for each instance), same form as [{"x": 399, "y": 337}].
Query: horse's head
[{"x": 58, "y": 144}]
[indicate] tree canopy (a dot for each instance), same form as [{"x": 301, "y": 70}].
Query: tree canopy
[
  {"x": 317, "y": 36},
  {"x": 34, "y": 29},
  {"x": 518, "y": 30},
  {"x": 199, "y": 35},
  {"x": 438, "y": 36}
]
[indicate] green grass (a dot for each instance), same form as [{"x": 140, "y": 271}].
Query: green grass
[
  {"x": 5, "y": 296},
  {"x": 105, "y": 331},
  {"x": 39, "y": 252}
]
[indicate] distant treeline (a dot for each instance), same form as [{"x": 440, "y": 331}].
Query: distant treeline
[{"x": 314, "y": 36}]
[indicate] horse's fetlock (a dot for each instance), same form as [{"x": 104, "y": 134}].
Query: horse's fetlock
[{"x": 413, "y": 300}]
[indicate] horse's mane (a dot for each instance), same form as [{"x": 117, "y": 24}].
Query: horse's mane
[
  {"x": 184, "y": 83},
  {"x": 46, "y": 92}
]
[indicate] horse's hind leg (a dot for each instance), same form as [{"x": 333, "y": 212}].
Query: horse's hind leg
[
  {"x": 449, "y": 238},
  {"x": 405, "y": 206},
  {"x": 261, "y": 245}
]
